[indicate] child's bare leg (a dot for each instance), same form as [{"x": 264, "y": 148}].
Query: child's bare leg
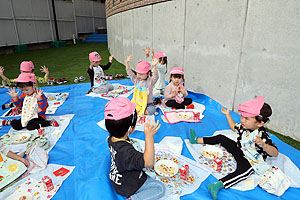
[{"x": 200, "y": 141}]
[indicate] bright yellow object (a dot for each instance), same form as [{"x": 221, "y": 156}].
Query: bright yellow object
[
  {"x": 13, "y": 167},
  {"x": 140, "y": 97}
]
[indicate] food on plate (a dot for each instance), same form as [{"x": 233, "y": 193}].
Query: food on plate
[
  {"x": 168, "y": 170},
  {"x": 22, "y": 138},
  {"x": 184, "y": 115}
]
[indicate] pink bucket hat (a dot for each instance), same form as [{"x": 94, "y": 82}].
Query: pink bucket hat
[
  {"x": 119, "y": 108},
  {"x": 159, "y": 54},
  {"x": 95, "y": 56},
  {"x": 177, "y": 70},
  {"x": 143, "y": 67},
  {"x": 26, "y": 77},
  {"x": 252, "y": 107},
  {"x": 26, "y": 66}
]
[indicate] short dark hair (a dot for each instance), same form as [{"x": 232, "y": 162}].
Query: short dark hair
[
  {"x": 118, "y": 128},
  {"x": 21, "y": 85},
  {"x": 265, "y": 113}
]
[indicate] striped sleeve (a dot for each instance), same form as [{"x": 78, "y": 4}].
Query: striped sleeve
[
  {"x": 43, "y": 104},
  {"x": 19, "y": 101}
]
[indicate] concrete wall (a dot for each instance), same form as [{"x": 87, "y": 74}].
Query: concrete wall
[
  {"x": 31, "y": 21},
  {"x": 231, "y": 50}
]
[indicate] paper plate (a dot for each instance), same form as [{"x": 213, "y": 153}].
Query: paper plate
[
  {"x": 21, "y": 138},
  {"x": 17, "y": 195},
  {"x": 166, "y": 168},
  {"x": 209, "y": 151}
]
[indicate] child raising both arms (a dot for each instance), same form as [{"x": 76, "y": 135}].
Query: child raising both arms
[
  {"x": 25, "y": 67},
  {"x": 126, "y": 173},
  {"x": 253, "y": 144},
  {"x": 98, "y": 83},
  {"x": 143, "y": 91},
  {"x": 33, "y": 103},
  {"x": 175, "y": 91}
]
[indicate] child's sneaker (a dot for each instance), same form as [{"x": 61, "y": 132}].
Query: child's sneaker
[
  {"x": 106, "y": 77},
  {"x": 64, "y": 80},
  {"x": 59, "y": 81},
  {"x": 111, "y": 77},
  {"x": 54, "y": 123},
  {"x": 6, "y": 122},
  {"x": 191, "y": 106},
  {"x": 81, "y": 78},
  {"x": 76, "y": 80},
  {"x": 117, "y": 76},
  {"x": 121, "y": 76}
]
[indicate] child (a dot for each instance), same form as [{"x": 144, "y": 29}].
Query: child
[
  {"x": 12, "y": 155},
  {"x": 25, "y": 67},
  {"x": 162, "y": 70},
  {"x": 126, "y": 172},
  {"x": 33, "y": 103},
  {"x": 175, "y": 91},
  {"x": 253, "y": 144},
  {"x": 143, "y": 91},
  {"x": 96, "y": 74}
]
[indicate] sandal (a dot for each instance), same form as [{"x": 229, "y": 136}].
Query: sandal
[
  {"x": 117, "y": 76},
  {"x": 81, "y": 78},
  {"x": 76, "y": 80},
  {"x": 121, "y": 76}
]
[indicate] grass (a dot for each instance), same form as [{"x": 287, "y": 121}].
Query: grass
[
  {"x": 72, "y": 61},
  {"x": 286, "y": 139},
  {"x": 65, "y": 62}
]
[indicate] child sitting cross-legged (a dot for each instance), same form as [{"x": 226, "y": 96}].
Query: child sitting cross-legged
[
  {"x": 126, "y": 173},
  {"x": 33, "y": 103}
]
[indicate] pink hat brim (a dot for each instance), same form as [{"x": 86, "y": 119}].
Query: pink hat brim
[{"x": 119, "y": 108}]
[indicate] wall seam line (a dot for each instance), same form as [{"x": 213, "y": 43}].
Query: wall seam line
[{"x": 240, "y": 58}]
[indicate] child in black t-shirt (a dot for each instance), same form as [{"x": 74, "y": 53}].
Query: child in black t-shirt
[{"x": 126, "y": 172}]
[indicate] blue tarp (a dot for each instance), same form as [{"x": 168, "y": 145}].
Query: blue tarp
[{"x": 83, "y": 145}]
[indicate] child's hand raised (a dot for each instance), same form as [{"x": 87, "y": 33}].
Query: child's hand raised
[
  {"x": 39, "y": 93},
  {"x": 225, "y": 111},
  {"x": 259, "y": 141},
  {"x": 147, "y": 50},
  {"x": 12, "y": 92},
  {"x": 111, "y": 58},
  {"x": 128, "y": 59},
  {"x": 45, "y": 70},
  {"x": 151, "y": 129},
  {"x": 1, "y": 70}
]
